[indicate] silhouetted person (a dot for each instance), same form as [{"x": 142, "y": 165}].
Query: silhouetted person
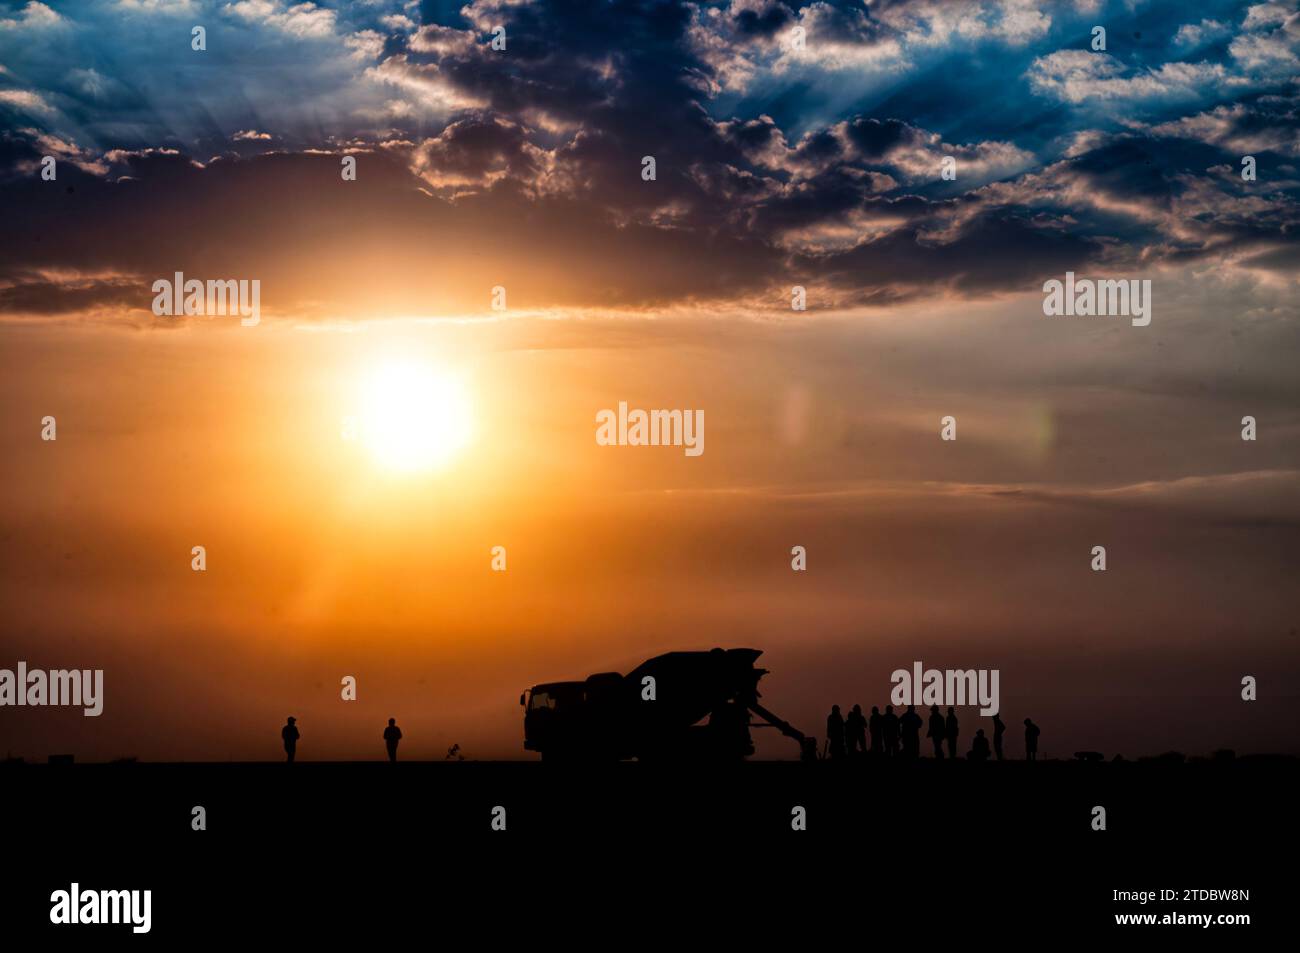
[
  {"x": 999, "y": 729},
  {"x": 910, "y": 724},
  {"x": 835, "y": 732},
  {"x": 979, "y": 747},
  {"x": 950, "y": 732},
  {"x": 876, "y": 724},
  {"x": 289, "y": 733},
  {"x": 392, "y": 735},
  {"x": 1031, "y": 741},
  {"x": 937, "y": 732},
  {"x": 855, "y": 732},
  {"x": 891, "y": 732}
]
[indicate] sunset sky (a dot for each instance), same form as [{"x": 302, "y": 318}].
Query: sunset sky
[{"x": 522, "y": 169}]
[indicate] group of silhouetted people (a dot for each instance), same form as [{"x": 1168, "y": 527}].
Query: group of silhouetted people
[
  {"x": 892, "y": 736},
  {"x": 289, "y": 734}
]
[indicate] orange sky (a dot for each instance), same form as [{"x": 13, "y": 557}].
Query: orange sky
[{"x": 824, "y": 434}]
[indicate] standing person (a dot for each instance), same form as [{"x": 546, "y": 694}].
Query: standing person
[
  {"x": 891, "y": 732},
  {"x": 1031, "y": 741},
  {"x": 950, "y": 732},
  {"x": 911, "y": 728},
  {"x": 855, "y": 732},
  {"x": 876, "y": 724},
  {"x": 835, "y": 732},
  {"x": 999, "y": 729},
  {"x": 937, "y": 732},
  {"x": 392, "y": 735},
  {"x": 289, "y": 735}
]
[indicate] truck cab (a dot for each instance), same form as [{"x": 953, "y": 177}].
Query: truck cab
[{"x": 565, "y": 720}]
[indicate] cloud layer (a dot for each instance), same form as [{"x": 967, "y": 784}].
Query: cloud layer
[{"x": 793, "y": 145}]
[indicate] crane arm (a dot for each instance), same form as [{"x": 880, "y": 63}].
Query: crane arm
[{"x": 807, "y": 744}]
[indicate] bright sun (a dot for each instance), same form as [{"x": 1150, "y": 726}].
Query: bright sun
[{"x": 414, "y": 417}]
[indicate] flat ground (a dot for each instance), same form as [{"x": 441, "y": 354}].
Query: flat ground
[
  {"x": 1010, "y": 801},
  {"x": 318, "y": 840}
]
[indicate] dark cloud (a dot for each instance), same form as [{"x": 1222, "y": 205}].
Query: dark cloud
[
  {"x": 37, "y": 295},
  {"x": 477, "y": 151},
  {"x": 763, "y": 20},
  {"x": 873, "y": 138}
]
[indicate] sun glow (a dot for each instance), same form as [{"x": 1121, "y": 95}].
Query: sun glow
[{"x": 414, "y": 417}]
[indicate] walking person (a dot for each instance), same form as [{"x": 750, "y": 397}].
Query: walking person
[
  {"x": 289, "y": 735},
  {"x": 392, "y": 735}
]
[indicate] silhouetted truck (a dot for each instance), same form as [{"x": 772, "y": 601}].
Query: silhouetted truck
[{"x": 682, "y": 706}]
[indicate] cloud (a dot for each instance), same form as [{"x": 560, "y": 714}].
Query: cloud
[
  {"x": 1077, "y": 76},
  {"x": 158, "y": 6},
  {"x": 34, "y": 16},
  {"x": 46, "y": 293},
  {"x": 744, "y": 39},
  {"x": 917, "y": 154},
  {"x": 1238, "y": 128},
  {"x": 303, "y": 20},
  {"x": 365, "y": 44},
  {"x": 1273, "y": 53},
  {"x": 433, "y": 90},
  {"x": 1191, "y": 36},
  {"x": 775, "y": 165},
  {"x": 478, "y": 152},
  {"x": 398, "y": 21},
  {"x": 26, "y": 101},
  {"x": 50, "y": 145},
  {"x": 935, "y": 22},
  {"x": 1246, "y": 497}
]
